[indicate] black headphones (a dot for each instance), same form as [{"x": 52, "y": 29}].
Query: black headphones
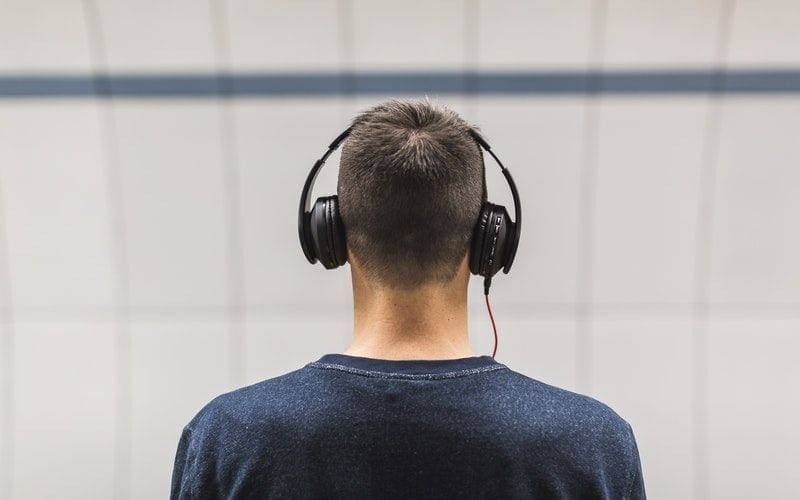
[{"x": 494, "y": 239}]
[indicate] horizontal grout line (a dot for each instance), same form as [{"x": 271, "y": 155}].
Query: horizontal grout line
[
  {"x": 335, "y": 83},
  {"x": 719, "y": 311}
]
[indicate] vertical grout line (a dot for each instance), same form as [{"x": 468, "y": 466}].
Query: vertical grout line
[
  {"x": 116, "y": 209},
  {"x": 587, "y": 204},
  {"x": 703, "y": 247},
  {"x": 346, "y": 37},
  {"x": 233, "y": 198},
  {"x": 471, "y": 63},
  {"x": 7, "y": 351}
]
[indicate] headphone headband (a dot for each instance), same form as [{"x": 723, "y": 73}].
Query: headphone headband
[
  {"x": 514, "y": 194},
  {"x": 303, "y": 216}
]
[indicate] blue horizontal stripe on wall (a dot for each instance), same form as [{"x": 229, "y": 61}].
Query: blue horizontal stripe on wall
[{"x": 212, "y": 85}]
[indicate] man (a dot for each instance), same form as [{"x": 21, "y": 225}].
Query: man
[{"x": 408, "y": 410}]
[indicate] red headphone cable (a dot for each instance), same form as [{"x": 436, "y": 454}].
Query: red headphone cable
[{"x": 487, "y": 282}]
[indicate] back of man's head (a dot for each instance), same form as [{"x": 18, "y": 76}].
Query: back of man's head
[{"x": 411, "y": 184}]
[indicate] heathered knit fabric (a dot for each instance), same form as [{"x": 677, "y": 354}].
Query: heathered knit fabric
[{"x": 354, "y": 427}]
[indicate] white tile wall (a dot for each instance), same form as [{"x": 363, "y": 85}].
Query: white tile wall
[
  {"x": 55, "y": 204},
  {"x": 6, "y": 365},
  {"x": 280, "y": 345},
  {"x": 539, "y": 141},
  {"x": 754, "y": 440},
  {"x": 5, "y": 285},
  {"x": 151, "y": 35},
  {"x": 649, "y": 159},
  {"x": 764, "y": 34},
  {"x": 413, "y": 34},
  {"x": 521, "y": 34},
  {"x": 64, "y": 412},
  {"x": 654, "y": 33},
  {"x": 172, "y": 170},
  {"x": 300, "y": 35},
  {"x": 539, "y": 347},
  {"x": 278, "y": 143},
  {"x": 53, "y": 176},
  {"x": 755, "y": 238},
  {"x": 177, "y": 367},
  {"x": 6, "y": 407},
  {"x": 642, "y": 369},
  {"x": 37, "y": 36},
  {"x": 466, "y": 106}
]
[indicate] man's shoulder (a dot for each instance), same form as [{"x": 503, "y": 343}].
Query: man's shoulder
[
  {"x": 242, "y": 408},
  {"x": 573, "y": 414},
  {"x": 592, "y": 440}
]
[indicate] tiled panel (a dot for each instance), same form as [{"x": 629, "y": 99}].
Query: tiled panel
[
  {"x": 297, "y": 35},
  {"x": 55, "y": 204},
  {"x": 173, "y": 192},
  {"x": 642, "y": 370},
  {"x": 666, "y": 34},
  {"x": 151, "y": 35},
  {"x": 465, "y": 105},
  {"x": 176, "y": 369},
  {"x": 6, "y": 404},
  {"x": 278, "y": 346},
  {"x": 6, "y": 364},
  {"x": 539, "y": 347},
  {"x": 64, "y": 413},
  {"x": 756, "y": 242},
  {"x": 764, "y": 33},
  {"x": 514, "y": 34},
  {"x": 278, "y": 142},
  {"x": 412, "y": 34},
  {"x": 648, "y": 171},
  {"x": 539, "y": 141},
  {"x": 40, "y": 36},
  {"x": 754, "y": 440}
]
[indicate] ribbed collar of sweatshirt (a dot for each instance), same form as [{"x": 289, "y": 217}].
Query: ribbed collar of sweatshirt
[{"x": 408, "y": 368}]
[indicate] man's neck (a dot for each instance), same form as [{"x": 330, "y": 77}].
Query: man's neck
[{"x": 427, "y": 323}]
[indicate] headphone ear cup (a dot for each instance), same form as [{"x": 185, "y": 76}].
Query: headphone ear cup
[
  {"x": 478, "y": 237},
  {"x": 327, "y": 232},
  {"x": 337, "y": 231},
  {"x": 306, "y": 238},
  {"x": 490, "y": 240}
]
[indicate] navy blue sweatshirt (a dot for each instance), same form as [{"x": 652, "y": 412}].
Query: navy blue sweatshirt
[{"x": 354, "y": 427}]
